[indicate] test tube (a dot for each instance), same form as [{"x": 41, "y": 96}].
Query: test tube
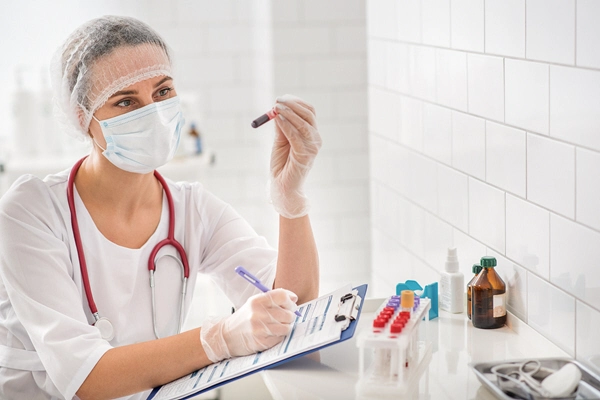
[
  {"x": 407, "y": 301},
  {"x": 266, "y": 117}
]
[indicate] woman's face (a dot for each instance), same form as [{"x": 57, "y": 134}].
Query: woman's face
[{"x": 131, "y": 98}]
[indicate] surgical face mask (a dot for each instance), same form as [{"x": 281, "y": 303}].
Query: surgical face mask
[{"x": 144, "y": 139}]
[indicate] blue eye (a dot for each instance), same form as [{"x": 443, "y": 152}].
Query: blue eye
[
  {"x": 164, "y": 92},
  {"x": 124, "y": 103}
]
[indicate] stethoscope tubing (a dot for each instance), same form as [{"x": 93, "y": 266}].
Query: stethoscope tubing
[{"x": 170, "y": 240}]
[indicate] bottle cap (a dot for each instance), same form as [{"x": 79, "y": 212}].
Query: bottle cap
[
  {"x": 451, "y": 260},
  {"x": 408, "y": 299},
  {"x": 476, "y": 268},
  {"x": 488, "y": 262}
]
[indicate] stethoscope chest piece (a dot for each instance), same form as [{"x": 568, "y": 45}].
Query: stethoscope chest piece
[{"x": 106, "y": 329}]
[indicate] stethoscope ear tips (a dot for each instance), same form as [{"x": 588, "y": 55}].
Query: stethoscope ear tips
[{"x": 106, "y": 329}]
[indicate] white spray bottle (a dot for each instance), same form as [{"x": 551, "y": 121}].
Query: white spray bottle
[{"x": 452, "y": 285}]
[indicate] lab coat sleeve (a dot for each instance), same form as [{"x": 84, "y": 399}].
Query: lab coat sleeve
[
  {"x": 36, "y": 269},
  {"x": 231, "y": 241}
]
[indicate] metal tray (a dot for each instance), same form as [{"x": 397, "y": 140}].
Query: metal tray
[{"x": 588, "y": 388}]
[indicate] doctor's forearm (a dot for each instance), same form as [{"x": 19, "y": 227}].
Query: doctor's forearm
[
  {"x": 298, "y": 259},
  {"x": 134, "y": 368}
]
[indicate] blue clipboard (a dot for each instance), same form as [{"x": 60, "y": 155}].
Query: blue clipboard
[{"x": 346, "y": 334}]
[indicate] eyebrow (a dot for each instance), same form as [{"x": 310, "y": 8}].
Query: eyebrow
[{"x": 130, "y": 92}]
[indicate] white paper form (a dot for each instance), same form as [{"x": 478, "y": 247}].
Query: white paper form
[{"x": 316, "y": 327}]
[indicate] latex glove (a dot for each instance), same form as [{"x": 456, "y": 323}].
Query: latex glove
[
  {"x": 297, "y": 142},
  {"x": 262, "y": 322}
]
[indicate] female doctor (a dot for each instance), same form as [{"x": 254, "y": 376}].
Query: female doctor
[{"x": 77, "y": 315}]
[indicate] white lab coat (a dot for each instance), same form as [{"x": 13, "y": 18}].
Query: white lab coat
[{"x": 47, "y": 345}]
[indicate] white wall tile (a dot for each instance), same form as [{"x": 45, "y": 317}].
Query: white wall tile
[
  {"x": 345, "y": 136},
  {"x": 214, "y": 69},
  {"x": 551, "y": 174},
  {"x": 288, "y": 12},
  {"x": 409, "y": 20},
  {"x": 349, "y": 39},
  {"x": 400, "y": 162},
  {"x": 437, "y": 133},
  {"x": 397, "y": 69},
  {"x": 574, "y": 105},
  {"x": 469, "y": 252},
  {"x": 436, "y": 22},
  {"x": 288, "y": 72},
  {"x": 338, "y": 199},
  {"x": 588, "y": 33},
  {"x": 376, "y": 51},
  {"x": 467, "y": 24},
  {"x": 486, "y": 86},
  {"x": 411, "y": 123},
  {"x": 325, "y": 73},
  {"x": 468, "y": 144},
  {"x": 487, "y": 214},
  {"x": 453, "y": 197},
  {"x": 588, "y": 326},
  {"x": 351, "y": 167},
  {"x": 421, "y": 73},
  {"x": 551, "y": 312},
  {"x": 412, "y": 227},
  {"x": 515, "y": 279},
  {"x": 551, "y": 30},
  {"x": 573, "y": 251},
  {"x": 224, "y": 39},
  {"x": 588, "y": 188},
  {"x": 528, "y": 95},
  {"x": 451, "y": 78},
  {"x": 421, "y": 182},
  {"x": 302, "y": 40},
  {"x": 384, "y": 109},
  {"x": 381, "y": 19},
  {"x": 385, "y": 210},
  {"x": 350, "y": 104},
  {"x": 505, "y": 27},
  {"x": 439, "y": 239},
  {"x": 505, "y": 158},
  {"x": 325, "y": 231},
  {"x": 355, "y": 230},
  {"x": 528, "y": 235},
  {"x": 200, "y": 11},
  {"x": 333, "y": 10}
]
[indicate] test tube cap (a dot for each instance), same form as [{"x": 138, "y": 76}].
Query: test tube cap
[
  {"x": 379, "y": 323},
  {"x": 408, "y": 299},
  {"x": 396, "y": 328}
]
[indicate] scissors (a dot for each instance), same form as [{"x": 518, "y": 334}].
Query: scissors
[{"x": 522, "y": 376}]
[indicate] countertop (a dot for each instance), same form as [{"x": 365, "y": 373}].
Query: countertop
[{"x": 333, "y": 374}]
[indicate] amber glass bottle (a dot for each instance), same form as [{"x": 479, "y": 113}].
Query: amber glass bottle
[
  {"x": 476, "y": 270},
  {"x": 488, "y": 297}
]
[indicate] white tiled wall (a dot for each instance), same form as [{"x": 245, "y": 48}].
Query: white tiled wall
[
  {"x": 484, "y": 133},
  {"x": 322, "y": 47}
]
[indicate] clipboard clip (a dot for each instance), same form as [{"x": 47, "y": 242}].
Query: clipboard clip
[{"x": 348, "y": 308}]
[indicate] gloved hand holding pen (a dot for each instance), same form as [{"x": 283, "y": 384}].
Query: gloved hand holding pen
[
  {"x": 262, "y": 322},
  {"x": 297, "y": 142}
]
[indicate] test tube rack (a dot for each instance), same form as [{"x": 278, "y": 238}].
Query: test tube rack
[{"x": 398, "y": 357}]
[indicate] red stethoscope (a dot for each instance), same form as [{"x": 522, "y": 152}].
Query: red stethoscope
[{"x": 103, "y": 324}]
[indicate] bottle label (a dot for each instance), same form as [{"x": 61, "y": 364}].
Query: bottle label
[{"x": 499, "y": 305}]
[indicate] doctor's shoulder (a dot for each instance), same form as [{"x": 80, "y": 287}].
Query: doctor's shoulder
[{"x": 30, "y": 197}]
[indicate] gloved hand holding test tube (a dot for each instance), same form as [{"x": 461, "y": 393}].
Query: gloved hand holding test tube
[{"x": 253, "y": 280}]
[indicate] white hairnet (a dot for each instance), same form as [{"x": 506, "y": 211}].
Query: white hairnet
[{"x": 101, "y": 57}]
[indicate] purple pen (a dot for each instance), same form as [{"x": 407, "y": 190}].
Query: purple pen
[{"x": 241, "y": 271}]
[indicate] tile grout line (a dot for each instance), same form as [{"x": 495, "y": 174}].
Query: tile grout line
[
  {"x": 551, "y": 211},
  {"x": 557, "y": 139},
  {"x": 582, "y": 67}
]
